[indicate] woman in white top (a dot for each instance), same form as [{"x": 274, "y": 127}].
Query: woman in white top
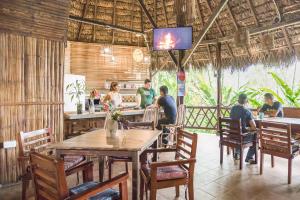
[{"x": 113, "y": 96}]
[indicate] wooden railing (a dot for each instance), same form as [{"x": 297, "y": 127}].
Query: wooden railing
[{"x": 203, "y": 117}]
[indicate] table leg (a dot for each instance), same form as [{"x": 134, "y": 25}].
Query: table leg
[
  {"x": 155, "y": 146},
  {"x": 101, "y": 168},
  {"x": 135, "y": 175}
]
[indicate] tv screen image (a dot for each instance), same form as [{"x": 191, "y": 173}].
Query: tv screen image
[{"x": 179, "y": 38}]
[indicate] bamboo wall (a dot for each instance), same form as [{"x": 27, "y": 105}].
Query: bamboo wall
[
  {"x": 86, "y": 59},
  {"x": 32, "y": 45}
]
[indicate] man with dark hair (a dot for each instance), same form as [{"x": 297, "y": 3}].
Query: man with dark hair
[
  {"x": 168, "y": 103},
  {"x": 146, "y": 93},
  {"x": 240, "y": 112},
  {"x": 271, "y": 107}
]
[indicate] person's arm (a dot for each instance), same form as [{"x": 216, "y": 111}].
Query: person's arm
[
  {"x": 263, "y": 108},
  {"x": 159, "y": 102},
  {"x": 277, "y": 109},
  {"x": 252, "y": 123}
]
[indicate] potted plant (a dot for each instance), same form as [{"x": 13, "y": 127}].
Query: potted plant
[
  {"x": 75, "y": 90},
  {"x": 112, "y": 122}
]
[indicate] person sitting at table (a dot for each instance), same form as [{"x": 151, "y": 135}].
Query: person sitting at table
[
  {"x": 146, "y": 94},
  {"x": 271, "y": 107},
  {"x": 113, "y": 97},
  {"x": 241, "y": 112},
  {"x": 167, "y": 102}
]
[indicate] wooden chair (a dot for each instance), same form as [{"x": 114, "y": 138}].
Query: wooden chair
[
  {"x": 50, "y": 182},
  {"x": 151, "y": 115},
  {"x": 159, "y": 175},
  {"x": 231, "y": 135},
  {"x": 173, "y": 128},
  {"x": 127, "y": 125},
  {"x": 39, "y": 141},
  {"x": 275, "y": 140}
]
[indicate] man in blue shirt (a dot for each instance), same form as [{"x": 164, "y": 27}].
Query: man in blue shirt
[
  {"x": 167, "y": 102},
  {"x": 240, "y": 112},
  {"x": 271, "y": 107}
]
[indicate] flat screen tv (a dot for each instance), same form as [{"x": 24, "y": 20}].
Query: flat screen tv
[{"x": 180, "y": 38}]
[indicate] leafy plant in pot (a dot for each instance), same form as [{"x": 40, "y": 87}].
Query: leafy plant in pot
[
  {"x": 113, "y": 119},
  {"x": 75, "y": 90}
]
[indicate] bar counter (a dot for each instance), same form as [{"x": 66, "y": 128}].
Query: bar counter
[{"x": 76, "y": 124}]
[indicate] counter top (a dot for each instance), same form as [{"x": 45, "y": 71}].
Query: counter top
[{"x": 102, "y": 114}]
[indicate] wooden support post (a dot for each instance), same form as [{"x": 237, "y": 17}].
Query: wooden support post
[{"x": 219, "y": 74}]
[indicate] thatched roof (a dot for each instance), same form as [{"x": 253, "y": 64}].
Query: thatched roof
[{"x": 278, "y": 19}]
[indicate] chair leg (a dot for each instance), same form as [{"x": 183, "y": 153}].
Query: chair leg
[
  {"x": 177, "y": 191},
  {"x": 142, "y": 187},
  {"x": 153, "y": 192},
  {"x": 241, "y": 158},
  {"x": 272, "y": 161},
  {"x": 261, "y": 168},
  {"x": 191, "y": 190},
  {"x": 290, "y": 171},
  {"x": 109, "y": 169},
  {"x": 87, "y": 174},
  {"x": 126, "y": 167},
  {"x": 25, "y": 184},
  {"x": 256, "y": 152},
  {"x": 221, "y": 153}
]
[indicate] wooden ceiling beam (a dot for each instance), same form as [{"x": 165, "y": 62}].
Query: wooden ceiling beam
[
  {"x": 104, "y": 24},
  {"x": 114, "y": 21},
  {"x": 205, "y": 29},
  {"x": 154, "y": 25},
  {"x": 84, "y": 11},
  {"x": 165, "y": 12},
  {"x": 95, "y": 14},
  {"x": 219, "y": 29}
]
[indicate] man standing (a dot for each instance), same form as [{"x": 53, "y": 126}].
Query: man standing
[
  {"x": 271, "y": 107},
  {"x": 167, "y": 102},
  {"x": 147, "y": 94},
  {"x": 240, "y": 112}
]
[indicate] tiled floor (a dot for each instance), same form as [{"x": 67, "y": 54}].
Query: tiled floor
[{"x": 213, "y": 181}]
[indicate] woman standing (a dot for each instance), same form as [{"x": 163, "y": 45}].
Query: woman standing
[{"x": 113, "y": 96}]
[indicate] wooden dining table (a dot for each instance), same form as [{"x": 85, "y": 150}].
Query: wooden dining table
[
  {"x": 294, "y": 122},
  {"x": 129, "y": 143}
]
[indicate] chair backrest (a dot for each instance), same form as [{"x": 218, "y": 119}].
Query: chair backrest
[
  {"x": 139, "y": 125},
  {"x": 275, "y": 139},
  {"x": 291, "y": 112},
  {"x": 186, "y": 146},
  {"x": 151, "y": 115},
  {"x": 49, "y": 177},
  {"x": 37, "y": 140},
  {"x": 229, "y": 128},
  {"x": 180, "y": 117}
]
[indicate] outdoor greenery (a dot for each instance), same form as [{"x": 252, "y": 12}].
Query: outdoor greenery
[{"x": 201, "y": 89}]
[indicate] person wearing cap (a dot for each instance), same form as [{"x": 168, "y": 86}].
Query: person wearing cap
[{"x": 241, "y": 112}]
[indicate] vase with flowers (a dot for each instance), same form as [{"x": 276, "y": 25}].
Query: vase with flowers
[
  {"x": 76, "y": 90},
  {"x": 112, "y": 122},
  {"x": 93, "y": 95}
]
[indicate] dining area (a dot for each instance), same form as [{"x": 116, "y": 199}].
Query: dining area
[{"x": 149, "y": 99}]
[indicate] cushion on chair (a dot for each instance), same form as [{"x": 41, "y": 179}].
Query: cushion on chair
[
  {"x": 109, "y": 194},
  {"x": 71, "y": 161},
  {"x": 166, "y": 173}
]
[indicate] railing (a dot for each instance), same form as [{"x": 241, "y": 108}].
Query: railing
[{"x": 204, "y": 117}]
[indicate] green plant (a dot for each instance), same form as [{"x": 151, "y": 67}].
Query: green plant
[
  {"x": 116, "y": 115},
  {"x": 75, "y": 90}
]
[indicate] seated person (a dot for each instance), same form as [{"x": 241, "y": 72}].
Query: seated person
[
  {"x": 113, "y": 97},
  {"x": 147, "y": 94},
  {"x": 167, "y": 102},
  {"x": 240, "y": 112},
  {"x": 271, "y": 107}
]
